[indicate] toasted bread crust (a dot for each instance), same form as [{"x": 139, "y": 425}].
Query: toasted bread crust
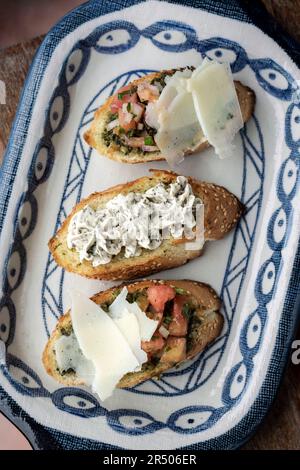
[
  {"x": 93, "y": 136},
  {"x": 221, "y": 212},
  {"x": 206, "y": 331}
]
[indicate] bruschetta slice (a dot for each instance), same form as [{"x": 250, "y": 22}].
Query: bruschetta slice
[
  {"x": 105, "y": 236},
  {"x": 125, "y": 127}
]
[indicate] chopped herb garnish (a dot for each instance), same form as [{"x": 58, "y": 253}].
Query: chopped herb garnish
[
  {"x": 180, "y": 291},
  {"x": 125, "y": 150},
  {"x": 112, "y": 117},
  {"x": 131, "y": 133},
  {"x": 123, "y": 93},
  {"x": 148, "y": 140},
  {"x": 187, "y": 311},
  {"x": 193, "y": 332},
  {"x": 105, "y": 307},
  {"x": 129, "y": 107},
  {"x": 66, "y": 331},
  {"x": 132, "y": 297},
  {"x": 150, "y": 130}
]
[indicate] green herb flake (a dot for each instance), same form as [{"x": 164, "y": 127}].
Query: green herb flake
[
  {"x": 167, "y": 320},
  {"x": 112, "y": 117},
  {"x": 123, "y": 93},
  {"x": 132, "y": 297},
  {"x": 180, "y": 291},
  {"x": 131, "y": 133},
  {"x": 187, "y": 311}
]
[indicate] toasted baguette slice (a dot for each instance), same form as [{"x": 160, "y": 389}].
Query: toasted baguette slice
[
  {"x": 221, "y": 212},
  {"x": 205, "y": 325},
  {"x": 94, "y": 136}
]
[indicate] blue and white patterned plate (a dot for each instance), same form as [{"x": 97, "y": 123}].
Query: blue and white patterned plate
[{"x": 218, "y": 399}]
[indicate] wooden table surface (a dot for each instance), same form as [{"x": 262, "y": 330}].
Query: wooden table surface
[{"x": 281, "y": 427}]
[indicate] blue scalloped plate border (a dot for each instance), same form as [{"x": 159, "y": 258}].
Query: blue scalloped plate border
[{"x": 42, "y": 437}]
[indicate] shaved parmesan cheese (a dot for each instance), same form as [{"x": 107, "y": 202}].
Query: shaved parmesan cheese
[
  {"x": 173, "y": 116},
  {"x": 103, "y": 347},
  {"x": 179, "y": 128},
  {"x": 216, "y": 105},
  {"x": 129, "y": 327},
  {"x": 101, "y": 342},
  {"x": 119, "y": 304}
]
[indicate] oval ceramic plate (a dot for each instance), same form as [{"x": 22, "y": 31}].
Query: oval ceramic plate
[{"x": 217, "y": 400}]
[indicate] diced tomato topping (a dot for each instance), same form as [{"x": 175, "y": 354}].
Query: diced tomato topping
[
  {"x": 179, "y": 323},
  {"x": 175, "y": 350},
  {"x": 126, "y": 120},
  {"x": 158, "y": 296},
  {"x": 121, "y": 97},
  {"x": 155, "y": 344}
]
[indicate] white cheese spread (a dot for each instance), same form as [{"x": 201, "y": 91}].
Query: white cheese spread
[{"x": 133, "y": 222}]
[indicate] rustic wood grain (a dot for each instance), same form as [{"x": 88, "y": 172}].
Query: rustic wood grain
[
  {"x": 287, "y": 14},
  {"x": 280, "y": 429},
  {"x": 14, "y": 65}
]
